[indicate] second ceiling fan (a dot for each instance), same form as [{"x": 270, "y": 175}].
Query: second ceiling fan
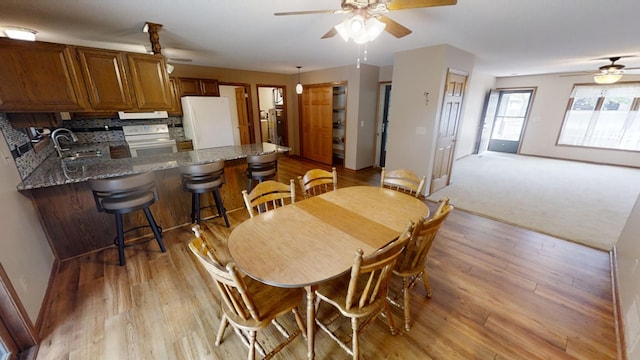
[{"x": 368, "y": 20}]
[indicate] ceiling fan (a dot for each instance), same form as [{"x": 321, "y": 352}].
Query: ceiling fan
[
  {"x": 610, "y": 73},
  {"x": 368, "y": 20}
]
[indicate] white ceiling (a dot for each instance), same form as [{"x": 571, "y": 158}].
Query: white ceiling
[{"x": 508, "y": 37}]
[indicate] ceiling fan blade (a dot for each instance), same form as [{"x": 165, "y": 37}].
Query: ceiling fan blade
[
  {"x": 310, "y": 12},
  {"x": 330, "y": 33},
  {"x": 412, "y": 4},
  {"x": 393, "y": 27}
]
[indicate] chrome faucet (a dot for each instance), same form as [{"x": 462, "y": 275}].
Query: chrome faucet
[{"x": 56, "y": 135}]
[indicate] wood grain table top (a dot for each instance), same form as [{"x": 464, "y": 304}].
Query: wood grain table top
[{"x": 314, "y": 240}]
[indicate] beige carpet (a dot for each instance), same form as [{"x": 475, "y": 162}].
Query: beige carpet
[{"x": 581, "y": 202}]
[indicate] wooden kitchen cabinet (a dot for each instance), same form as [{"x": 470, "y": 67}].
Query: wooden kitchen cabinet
[
  {"x": 150, "y": 81},
  {"x": 176, "y": 106},
  {"x": 36, "y": 120},
  {"x": 106, "y": 79},
  {"x": 39, "y": 76},
  {"x": 198, "y": 87}
]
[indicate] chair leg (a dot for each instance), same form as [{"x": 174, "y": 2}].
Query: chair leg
[
  {"x": 220, "y": 206},
  {"x": 252, "y": 344},
  {"x": 193, "y": 207},
  {"x": 427, "y": 284},
  {"x": 301, "y": 324},
  {"x": 120, "y": 231},
  {"x": 250, "y": 185},
  {"x": 392, "y": 325},
  {"x": 355, "y": 346},
  {"x": 223, "y": 325},
  {"x": 197, "y": 210},
  {"x": 407, "y": 303},
  {"x": 155, "y": 228}
]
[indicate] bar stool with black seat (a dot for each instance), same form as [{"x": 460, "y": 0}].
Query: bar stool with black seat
[
  {"x": 124, "y": 194},
  {"x": 261, "y": 167},
  {"x": 200, "y": 179}
]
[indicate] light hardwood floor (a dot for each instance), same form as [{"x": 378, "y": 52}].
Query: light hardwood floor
[{"x": 499, "y": 292}]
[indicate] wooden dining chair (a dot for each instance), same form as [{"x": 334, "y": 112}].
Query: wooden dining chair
[
  {"x": 268, "y": 195},
  {"x": 361, "y": 294},
  {"x": 248, "y": 305},
  {"x": 411, "y": 263},
  {"x": 318, "y": 181},
  {"x": 403, "y": 180}
]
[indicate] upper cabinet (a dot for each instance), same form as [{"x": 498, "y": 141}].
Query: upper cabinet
[
  {"x": 150, "y": 81},
  {"x": 104, "y": 73},
  {"x": 39, "y": 77},
  {"x": 196, "y": 87},
  {"x": 176, "y": 106}
]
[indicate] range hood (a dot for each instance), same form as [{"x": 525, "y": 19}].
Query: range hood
[{"x": 123, "y": 115}]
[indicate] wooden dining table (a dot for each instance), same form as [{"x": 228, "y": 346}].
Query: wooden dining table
[{"x": 315, "y": 240}]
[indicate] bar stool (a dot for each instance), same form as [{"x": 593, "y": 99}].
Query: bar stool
[
  {"x": 203, "y": 178},
  {"x": 261, "y": 167},
  {"x": 124, "y": 194}
]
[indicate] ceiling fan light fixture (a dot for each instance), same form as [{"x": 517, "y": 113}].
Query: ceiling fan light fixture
[
  {"x": 170, "y": 68},
  {"x": 375, "y": 27},
  {"x": 343, "y": 30},
  {"x": 607, "y": 78}
]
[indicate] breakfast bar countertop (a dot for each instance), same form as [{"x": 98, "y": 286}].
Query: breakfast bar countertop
[{"x": 56, "y": 171}]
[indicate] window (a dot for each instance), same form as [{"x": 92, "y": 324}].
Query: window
[{"x": 603, "y": 116}]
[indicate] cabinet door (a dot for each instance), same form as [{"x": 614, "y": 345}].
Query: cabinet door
[
  {"x": 189, "y": 86},
  {"x": 150, "y": 81},
  {"x": 105, "y": 76},
  {"x": 37, "y": 76},
  {"x": 209, "y": 87},
  {"x": 176, "y": 106}
]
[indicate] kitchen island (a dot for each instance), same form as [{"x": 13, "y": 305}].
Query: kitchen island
[{"x": 63, "y": 197}]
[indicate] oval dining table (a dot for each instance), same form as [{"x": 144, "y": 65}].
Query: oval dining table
[{"x": 314, "y": 240}]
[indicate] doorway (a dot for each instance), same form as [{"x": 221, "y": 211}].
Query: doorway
[
  {"x": 273, "y": 114},
  {"x": 508, "y": 115},
  {"x": 448, "y": 129},
  {"x": 384, "y": 99}
]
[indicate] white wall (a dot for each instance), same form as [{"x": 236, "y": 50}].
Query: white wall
[
  {"x": 628, "y": 258},
  {"x": 24, "y": 251},
  {"x": 412, "y": 128},
  {"x": 547, "y": 114}
]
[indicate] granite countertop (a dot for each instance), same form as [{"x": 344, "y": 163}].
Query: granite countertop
[{"x": 56, "y": 171}]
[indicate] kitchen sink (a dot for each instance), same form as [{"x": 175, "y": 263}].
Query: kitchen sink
[{"x": 83, "y": 154}]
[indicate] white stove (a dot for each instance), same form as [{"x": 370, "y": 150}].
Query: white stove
[{"x": 149, "y": 139}]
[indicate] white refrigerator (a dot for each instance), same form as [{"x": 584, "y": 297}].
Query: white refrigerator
[{"x": 206, "y": 120}]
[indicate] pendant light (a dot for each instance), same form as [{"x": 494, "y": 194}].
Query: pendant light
[{"x": 299, "y": 85}]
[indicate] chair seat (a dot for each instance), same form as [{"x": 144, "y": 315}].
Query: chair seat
[
  {"x": 128, "y": 203},
  {"x": 263, "y": 297},
  {"x": 335, "y": 293},
  {"x": 203, "y": 185}
]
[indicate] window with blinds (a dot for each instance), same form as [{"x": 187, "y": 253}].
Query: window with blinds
[{"x": 603, "y": 116}]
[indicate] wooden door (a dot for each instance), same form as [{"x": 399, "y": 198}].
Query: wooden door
[
  {"x": 105, "y": 77},
  {"x": 243, "y": 117},
  {"x": 447, "y": 130},
  {"x": 150, "y": 81},
  {"x": 316, "y": 124}
]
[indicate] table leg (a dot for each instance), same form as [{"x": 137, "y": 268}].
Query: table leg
[{"x": 311, "y": 320}]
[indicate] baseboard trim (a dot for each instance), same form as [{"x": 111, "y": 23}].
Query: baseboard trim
[{"x": 618, "y": 319}]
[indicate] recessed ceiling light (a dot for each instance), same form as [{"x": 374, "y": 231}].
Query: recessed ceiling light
[{"x": 20, "y": 33}]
